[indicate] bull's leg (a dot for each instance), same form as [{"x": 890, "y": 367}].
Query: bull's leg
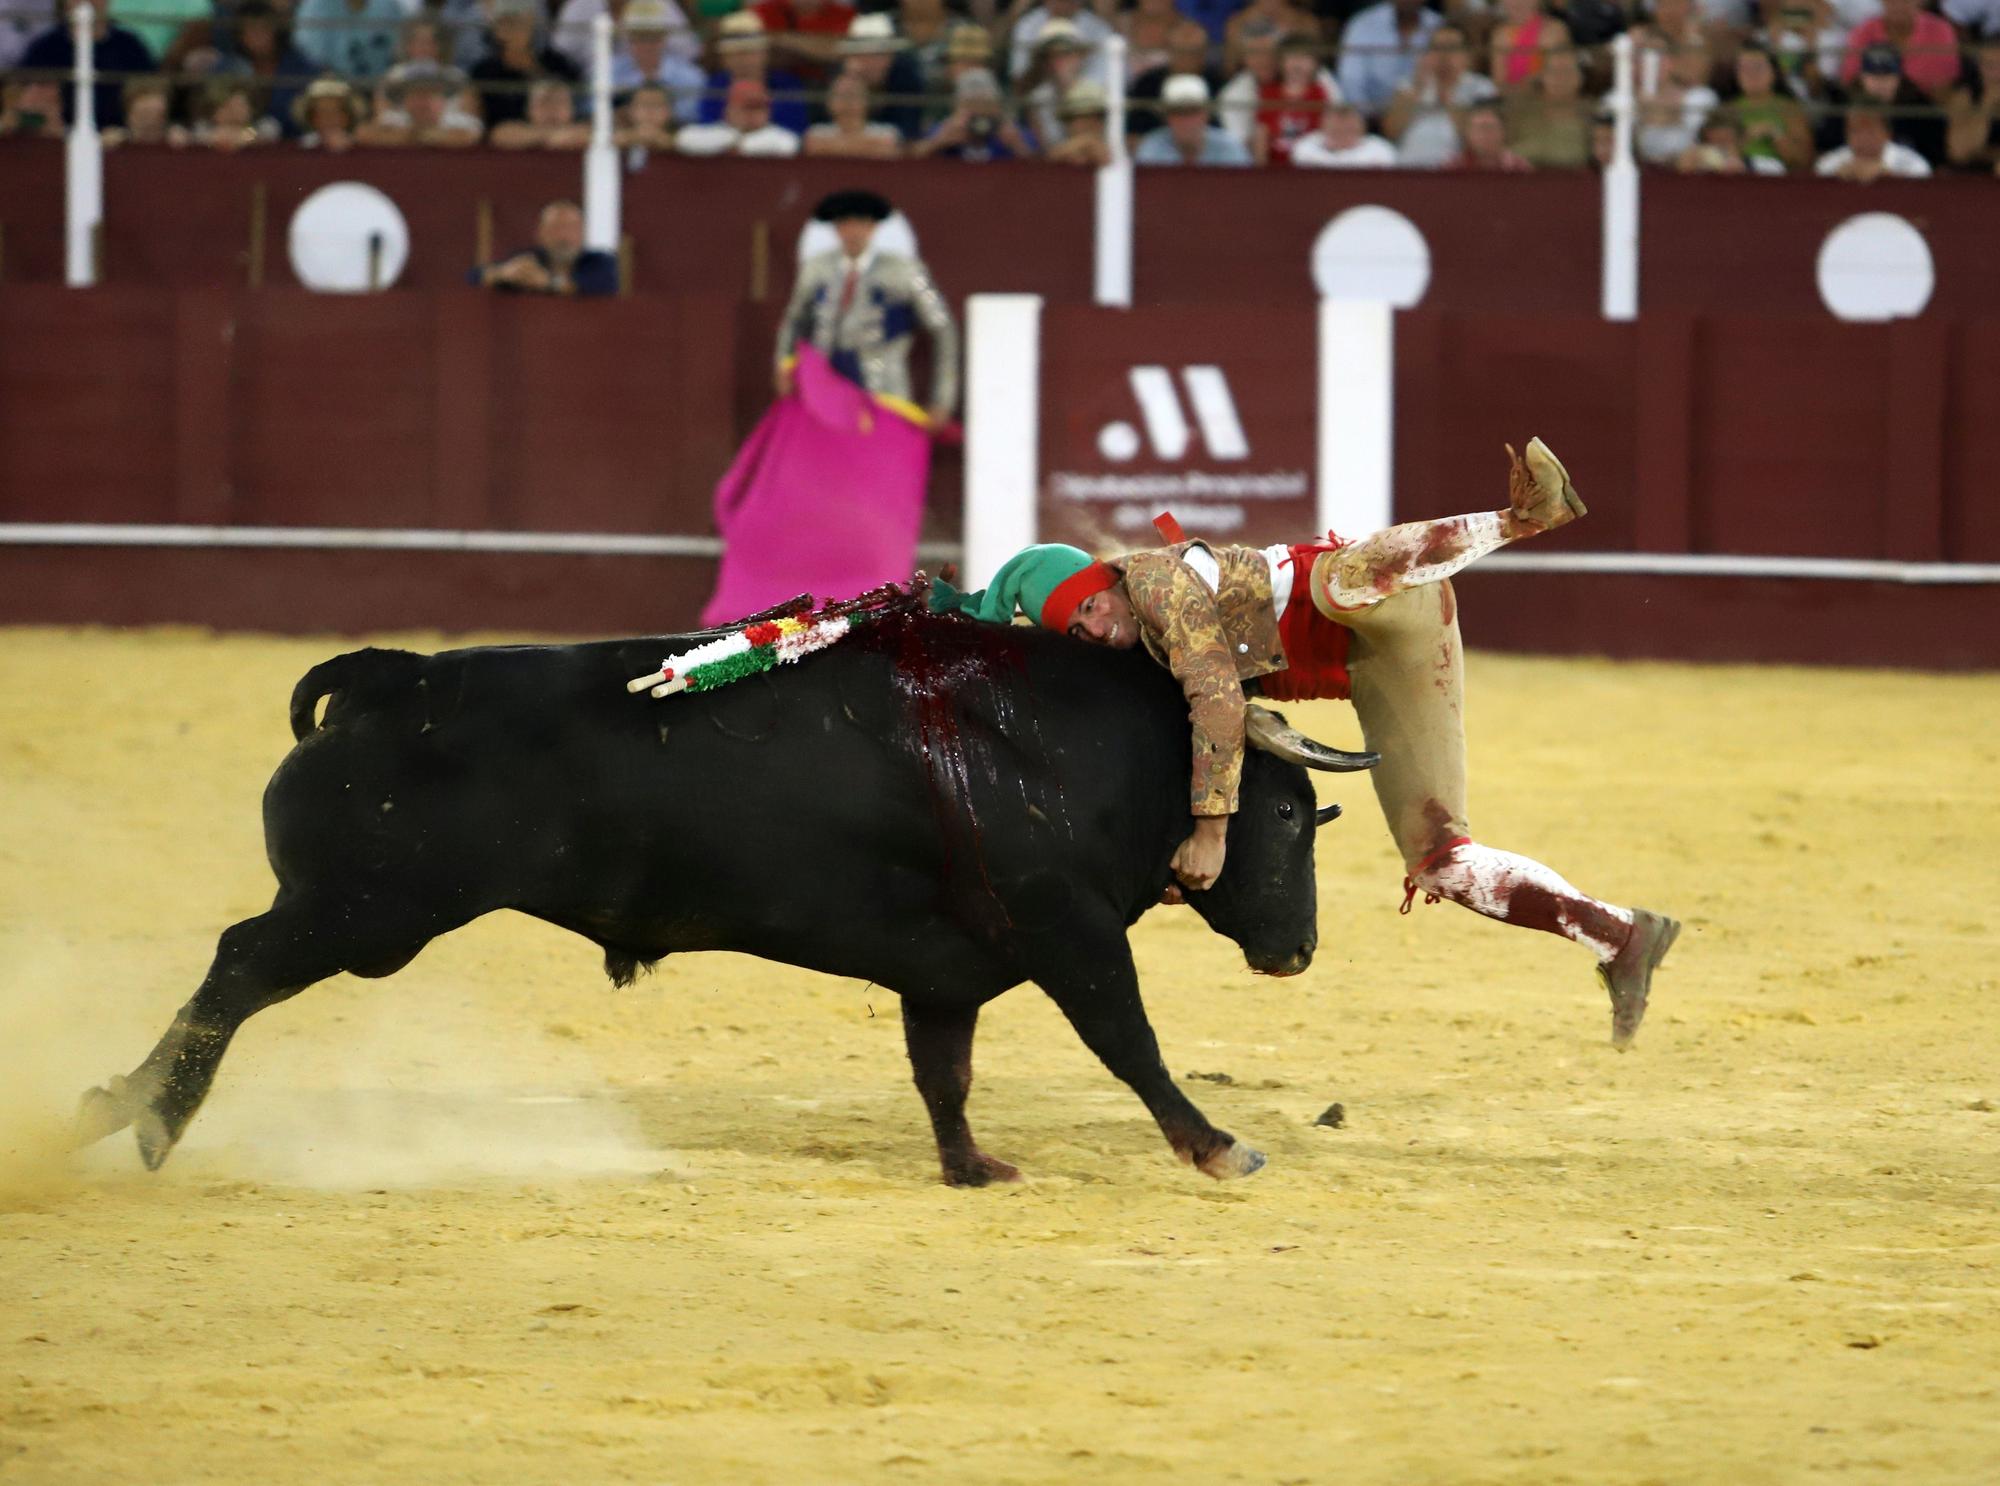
[
  {"x": 258, "y": 963},
  {"x": 1097, "y": 988},
  {"x": 940, "y": 1041}
]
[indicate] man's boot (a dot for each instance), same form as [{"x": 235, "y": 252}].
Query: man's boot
[
  {"x": 1539, "y": 491},
  {"x": 1629, "y": 977}
]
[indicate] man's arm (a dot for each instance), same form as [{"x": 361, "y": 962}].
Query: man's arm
[
  {"x": 788, "y": 328},
  {"x": 935, "y": 314},
  {"x": 1178, "y": 607}
]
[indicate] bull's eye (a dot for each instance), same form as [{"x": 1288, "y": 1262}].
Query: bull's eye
[{"x": 1284, "y": 810}]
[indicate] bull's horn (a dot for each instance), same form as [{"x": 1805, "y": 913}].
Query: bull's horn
[
  {"x": 1270, "y": 732},
  {"x": 1326, "y": 815}
]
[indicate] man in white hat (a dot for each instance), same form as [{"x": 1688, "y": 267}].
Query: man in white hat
[
  {"x": 874, "y": 53},
  {"x": 573, "y": 34},
  {"x": 645, "y": 55},
  {"x": 744, "y": 50},
  {"x": 1091, "y": 26},
  {"x": 1189, "y": 137}
]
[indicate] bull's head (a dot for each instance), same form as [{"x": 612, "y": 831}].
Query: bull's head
[{"x": 1266, "y": 899}]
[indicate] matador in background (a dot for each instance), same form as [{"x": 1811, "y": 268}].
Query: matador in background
[{"x": 861, "y": 305}]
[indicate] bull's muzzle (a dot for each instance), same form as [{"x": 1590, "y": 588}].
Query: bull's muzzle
[{"x": 1294, "y": 963}]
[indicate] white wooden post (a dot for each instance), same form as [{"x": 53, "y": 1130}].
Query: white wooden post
[
  {"x": 83, "y": 176},
  {"x": 1357, "y": 370},
  {"x": 1621, "y": 196},
  {"x": 600, "y": 160},
  {"x": 1003, "y": 387},
  {"x": 1112, "y": 241}
]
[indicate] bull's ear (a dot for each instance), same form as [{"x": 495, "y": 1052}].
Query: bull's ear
[
  {"x": 1270, "y": 732},
  {"x": 1326, "y": 815}
]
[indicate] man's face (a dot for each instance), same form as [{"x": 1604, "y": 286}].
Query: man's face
[
  {"x": 650, "y": 109},
  {"x": 1881, "y": 86},
  {"x": 855, "y": 234},
  {"x": 871, "y": 67},
  {"x": 646, "y": 49},
  {"x": 1899, "y": 13},
  {"x": 1448, "y": 46},
  {"x": 1106, "y": 618},
  {"x": 1189, "y": 127},
  {"x": 1260, "y": 56},
  {"x": 550, "y": 108},
  {"x": 747, "y": 61},
  {"x": 425, "y": 106},
  {"x": 1867, "y": 135},
  {"x": 1483, "y": 136},
  {"x": 561, "y": 233},
  {"x": 748, "y": 112},
  {"x": 514, "y": 32},
  {"x": 1754, "y": 74},
  {"x": 1342, "y": 127},
  {"x": 1562, "y": 78}
]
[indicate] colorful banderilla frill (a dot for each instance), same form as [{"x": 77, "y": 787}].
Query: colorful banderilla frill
[{"x": 768, "y": 643}]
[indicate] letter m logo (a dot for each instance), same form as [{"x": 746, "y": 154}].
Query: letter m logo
[{"x": 1207, "y": 394}]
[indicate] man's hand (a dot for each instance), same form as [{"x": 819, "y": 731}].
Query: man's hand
[
  {"x": 782, "y": 379},
  {"x": 1197, "y": 862}
]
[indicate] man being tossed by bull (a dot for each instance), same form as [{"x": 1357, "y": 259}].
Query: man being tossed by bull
[{"x": 1374, "y": 621}]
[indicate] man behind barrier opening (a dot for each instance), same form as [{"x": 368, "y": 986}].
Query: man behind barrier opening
[
  {"x": 558, "y": 263},
  {"x": 1377, "y": 625},
  {"x": 860, "y": 305}
]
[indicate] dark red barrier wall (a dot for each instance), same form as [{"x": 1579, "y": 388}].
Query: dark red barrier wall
[{"x": 1513, "y": 244}]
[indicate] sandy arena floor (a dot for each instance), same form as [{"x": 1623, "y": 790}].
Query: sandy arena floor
[{"x": 491, "y": 1221}]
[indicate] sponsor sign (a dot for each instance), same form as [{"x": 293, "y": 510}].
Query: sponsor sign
[{"x": 1208, "y": 414}]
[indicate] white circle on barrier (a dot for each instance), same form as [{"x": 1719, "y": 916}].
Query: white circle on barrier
[
  {"x": 348, "y": 238},
  {"x": 893, "y": 234},
  {"x": 1876, "y": 266},
  {"x": 1118, "y": 442},
  {"x": 1374, "y": 254}
]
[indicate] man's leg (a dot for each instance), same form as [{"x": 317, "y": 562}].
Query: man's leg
[
  {"x": 1540, "y": 498},
  {"x": 1407, "y": 669}
]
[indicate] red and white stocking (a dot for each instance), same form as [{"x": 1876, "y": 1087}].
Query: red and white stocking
[{"x": 1518, "y": 890}]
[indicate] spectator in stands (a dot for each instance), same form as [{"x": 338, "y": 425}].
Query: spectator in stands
[
  {"x": 1237, "y": 101},
  {"x": 1089, "y": 24},
  {"x": 1718, "y": 150},
  {"x": 1773, "y": 124},
  {"x": 558, "y": 263},
  {"x": 1147, "y": 28},
  {"x": 977, "y": 128},
  {"x": 1519, "y": 42},
  {"x": 1057, "y": 70},
  {"x": 1379, "y": 51},
  {"x": 1549, "y": 123},
  {"x": 114, "y": 50},
  {"x": 328, "y": 113},
  {"x": 968, "y": 48},
  {"x": 420, "y": 110},
  {"x": 355, "y": 38},
  {"x": 646, "y": 122},
  {"x": 1292, "y": 104},
  {"x": 1925, "y": 44},
  {"x": 1187, "y": 56},
  {"x": 513, "y": 61},
  {"x": 1342, "y": 141},
  {"x": 848, "y": 131},
  {"x": 1669, "y": 26},
  {"x": 258, "y": 47},
  {"x": 21, "y": 21},
  {"x": 1482, "y": 131},
  {"x": 1086, "y": 123},
  {"x": 806, "y": 33},
  {"x": 1913, "y": 120},
  {"x": 1671, "y": 117},
  {"x": 1977, "y": 20},
  {"x": 226, "y": 119},
  {"x": 1804, "y": 43},
  {"x": 158, "y": 23},
  {"x": 745, "y": 54},
  {"x": 746, "y": 127},
  {"x": 1272, "y": 18},
  {"x": 926, "y": 27},
  {"x": 874, "y": 55},
  {"x": 1591, "y": 23},
  {"x": 1187, "y": 137},
  {"x": 1974, "y": 140},
  {"x": 646, "y": 56},
  {"x": 1870, "y": 153},
  {"x": 33, "y": 110},
  {"x": 1423, "y": 112},
  {"x": 148, "y": 115},
  {"x": 573, "y": 35},
  {"x": 550, "y": 122}
]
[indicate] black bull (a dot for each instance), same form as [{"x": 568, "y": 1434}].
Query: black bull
[{"x": 941, "y": 807}]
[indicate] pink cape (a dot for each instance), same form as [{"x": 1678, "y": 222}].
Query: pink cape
[{"x": 825, "y": 497}]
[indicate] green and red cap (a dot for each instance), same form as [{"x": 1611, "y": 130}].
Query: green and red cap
[{"x": 1045, "y": 582}]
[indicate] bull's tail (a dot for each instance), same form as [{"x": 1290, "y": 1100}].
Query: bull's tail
[{"x": 363, "y": 670}]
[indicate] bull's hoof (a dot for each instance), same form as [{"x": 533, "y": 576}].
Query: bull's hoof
[
  {"x": 1233, "y": 1160},
  {"x": 156, "y": 1142},
  {"x": 981, "y": 1170},
  {"x": 102, "y": 1112}
]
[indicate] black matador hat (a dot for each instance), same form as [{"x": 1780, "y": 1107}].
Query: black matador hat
[{"x": 844, "y": 205}]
